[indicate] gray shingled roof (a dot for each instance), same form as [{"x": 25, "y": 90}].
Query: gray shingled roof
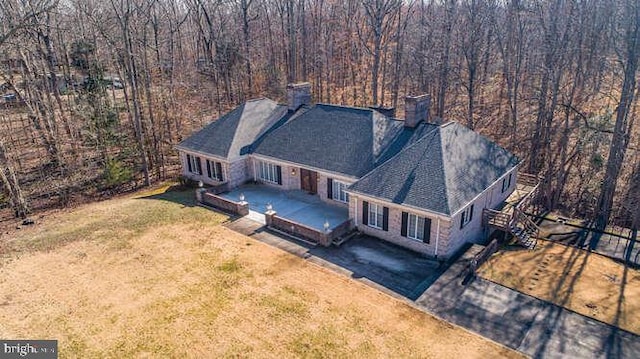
[
  {"x": 340, "y": 139},
  {"x": 441, "y": 172},
  {"x": 228, "y": 135}
]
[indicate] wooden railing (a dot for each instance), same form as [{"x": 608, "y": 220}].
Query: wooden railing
[
  {"x": 528, "y": 225},
  {"x": 496, "y": 218},
  {"x": 515, "y": 220},
  {"x": 528, "y": 179},
  {"x": 527, "y": 204}
]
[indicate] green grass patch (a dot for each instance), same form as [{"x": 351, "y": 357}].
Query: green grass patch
[
  {"x": 325, "y": 342},
  {"x": 287, "y": 303},
  {"x": 230, "y": 266},
  {"x": 120, "y": 221}
]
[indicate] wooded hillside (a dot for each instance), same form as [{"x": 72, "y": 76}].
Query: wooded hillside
[{"x": 97, "y": 93}]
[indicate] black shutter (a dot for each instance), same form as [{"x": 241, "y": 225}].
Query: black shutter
[
  {"x": 471, "y": 214},
  {"x": 426, "y": 236},
  {"x": 509, "y": 185},
  {"x": 209, "y": 169},
  {"x": 279, "y": 174},
  {"x": 219, "y": 171},
  {"x": 199, "y": 165},
  {"x": 405, "y": 222},
  {"x": 385, "y": 218},
  {"x": 329, "y": 188},
  {"x": 462, "y": 220},
  {"x": 189, "y": 163},
  {"x": 365, "y": 212}
]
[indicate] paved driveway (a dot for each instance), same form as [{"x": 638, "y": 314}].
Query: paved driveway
[
  {"x": 397, "y": 269},
  {"x": 532, "y": 326},
  {"x": 385, "y": 266}
]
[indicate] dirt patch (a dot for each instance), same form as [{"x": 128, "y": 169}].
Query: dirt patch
[
  {"x": 585, "y": 282},
  {"x": 157, "y": 277}
]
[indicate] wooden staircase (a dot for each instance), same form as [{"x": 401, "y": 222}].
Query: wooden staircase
[
  {"x": 524, "y": 230},
  {"x": 515, "y": 222}
]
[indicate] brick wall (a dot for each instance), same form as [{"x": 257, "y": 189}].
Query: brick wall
[
  {"x": 226, "y": 205},
  {"x": 394, "y": 235}
]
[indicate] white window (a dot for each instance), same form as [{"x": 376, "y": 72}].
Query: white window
[
  {"x": 193, "y": 162},
  {"x": 467, "y": 216},
  {"x": 269, "y": 172},
  {"x": 338, "y": 191},
  {"x": 214, "y": 170},
  {"x": 415, "y": 227},
  {"x": 375, "y": 215}
]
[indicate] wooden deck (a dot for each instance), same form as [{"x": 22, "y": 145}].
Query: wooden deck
[{"x": 512, "y": 218}]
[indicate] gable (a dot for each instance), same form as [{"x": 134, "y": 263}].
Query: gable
[{"x": 227, "y": 136}]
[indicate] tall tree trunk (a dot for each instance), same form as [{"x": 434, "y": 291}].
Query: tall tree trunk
[{"x": 622, "y": 127}]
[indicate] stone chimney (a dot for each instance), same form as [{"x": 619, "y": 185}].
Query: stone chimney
[
  {"x": 298, "y": 94},
  {"x": 416, "y": 109}
]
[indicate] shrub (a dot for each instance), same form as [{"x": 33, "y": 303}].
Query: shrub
[{"x": 116, "y": 173}]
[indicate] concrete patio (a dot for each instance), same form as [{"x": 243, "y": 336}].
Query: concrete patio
[{"x": 299, "y": 206}]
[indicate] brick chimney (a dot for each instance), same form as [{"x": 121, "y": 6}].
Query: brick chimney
[
  {"x": 298, "y": 94},
  {"x": 416, "y": 109}
]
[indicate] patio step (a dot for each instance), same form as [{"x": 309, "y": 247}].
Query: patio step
[{"x": 340, "y": 240}]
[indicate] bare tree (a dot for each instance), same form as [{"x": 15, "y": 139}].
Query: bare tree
[
  {"x": 628, "y": 17},
  {"x": 380, "y": 22}
]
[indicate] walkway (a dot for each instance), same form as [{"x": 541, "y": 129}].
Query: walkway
[{"x": 530, "y": 325}]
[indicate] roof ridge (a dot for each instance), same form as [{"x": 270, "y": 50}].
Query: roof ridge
[
  {"x": 366, "y": 109},
  {"x": 399, "y": 153}
]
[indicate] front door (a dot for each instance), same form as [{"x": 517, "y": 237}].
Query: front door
[{"x": 309, "y": 181}]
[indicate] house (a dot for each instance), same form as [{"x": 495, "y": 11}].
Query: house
[{"x": 418, "y": 183}]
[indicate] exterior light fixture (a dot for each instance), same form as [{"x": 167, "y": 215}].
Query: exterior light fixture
[
  {"x": 269, "y": 207},
  {"x": 241, "y": 197},
  {"x": 293, "y": 171},
  {"x": 200, "y": 184},
  {"x": 326, "y": 225}
]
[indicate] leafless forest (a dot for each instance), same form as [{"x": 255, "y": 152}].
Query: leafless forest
[{"x": 97, "y": 93}]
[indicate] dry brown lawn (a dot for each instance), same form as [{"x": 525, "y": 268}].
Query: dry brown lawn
[
  {"x": 158, "y": 277},
  {"x": 588, "y": 283}
]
